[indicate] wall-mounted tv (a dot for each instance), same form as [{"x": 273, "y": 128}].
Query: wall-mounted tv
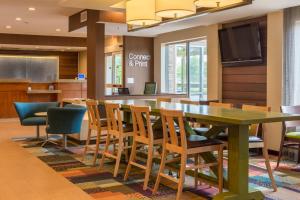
[{"x": 241, "y": 45}]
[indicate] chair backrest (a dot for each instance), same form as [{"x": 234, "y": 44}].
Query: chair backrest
[
  {"x": 291, "y": 110},
  {"x": 123, "y": 91},
  {"x": 28, "y": 109},
  {"x": 187, "y": 101},
  {"x": 254, "y": 128},
  {"x": 93, "y": 114},
  {"x": 142, "y": 127},
  {"x": 114, "y": 119},
  {"x": 66, "y": 120},
  {"x": 150, "y": 88},
  {"x": 164, "y": 99},
  {"x": 171, "y": 139},
  {"x": 221, "y": 105}
]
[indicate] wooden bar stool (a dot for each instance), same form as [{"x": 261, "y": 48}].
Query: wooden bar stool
[
  {"x": 221, "y": 105},
  {"x": 164, "y": 99},
  {"x": 143, "y": 134},
  {"x": 185, "y": 146},
  {"x": 95, "y": 124},
  {"x": 189, "y": 102},
  {"x": 115, "y": 130}
]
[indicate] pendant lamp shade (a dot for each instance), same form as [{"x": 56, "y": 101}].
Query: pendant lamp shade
[
  {"x": 141, "y": 12},
  {"x": 175, "y": 8},
  {"x": 215, "y": 3}
]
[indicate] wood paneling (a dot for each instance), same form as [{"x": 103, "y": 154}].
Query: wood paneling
[
  {"x": 247, "y": 84},
  {"x": 68, "y": 61},
  {"x": 42, "y": 40},
  {"x": 71, "y": 90}
]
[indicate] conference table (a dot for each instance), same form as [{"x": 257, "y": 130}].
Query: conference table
[{"x": 237, "y": 121}]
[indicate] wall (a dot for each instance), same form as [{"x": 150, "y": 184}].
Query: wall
[
  {"x": 82, "y": 62},
  {"x": 214, "y": 70},
  {"x": 274, "y": 75},
  {"x": 142, "y": 71},
  {"x": 247, "y": 84},
  {"x": 68, "y": 61}
]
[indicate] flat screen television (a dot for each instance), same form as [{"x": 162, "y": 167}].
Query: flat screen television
[{"x": 241, "y": 45}]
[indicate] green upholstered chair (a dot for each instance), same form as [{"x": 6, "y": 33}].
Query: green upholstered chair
[
  {"x": 65, "y": 121},
  {"x": 150, "y": 88},
  {"x": 26, "y": 112},
  {"x": 290, "y": 135}
]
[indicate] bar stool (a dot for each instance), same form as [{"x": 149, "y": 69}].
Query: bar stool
[
  {"x": 221, "y": 105},
  {"x": 115, "y": 130},
  {"x": 95, "y": 124},
  {"x": 189, "y": 102},
  {"x": 143, "y": 134},
  {"x": 164, "y": 99},
  {"x": 185, "y": 146}
]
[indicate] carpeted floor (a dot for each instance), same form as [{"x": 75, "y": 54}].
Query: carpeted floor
[{"x": 100, "y": 184}]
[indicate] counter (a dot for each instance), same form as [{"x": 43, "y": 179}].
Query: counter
[{"x": 16, "y": 90}]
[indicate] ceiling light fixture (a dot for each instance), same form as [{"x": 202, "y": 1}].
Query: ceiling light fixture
[
  {"x": 175, "y": 8},
  {"x": 215, "y": 3},
  {"x": 18, "y": 19},
  {"x": 58, "y": 30},
  {"x": 31, "y": 9},
  {"x": 136, "y": 14},
  {"x": 8, "y": 27}
]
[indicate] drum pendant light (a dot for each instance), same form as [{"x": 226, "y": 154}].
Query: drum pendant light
[
  {"x": 175, "y": 8},
  {"x": 141, "y": 12},
  {"x": 215, "y": 3}
]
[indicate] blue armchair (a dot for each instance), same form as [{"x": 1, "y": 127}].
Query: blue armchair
[
  {"x": 64, "y": 121},
  {"x": 26, "y": 112}
]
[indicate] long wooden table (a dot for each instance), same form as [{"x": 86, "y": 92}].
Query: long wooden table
[{"x": 237, "y": 121}]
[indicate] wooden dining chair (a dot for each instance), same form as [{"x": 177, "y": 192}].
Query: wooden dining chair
[
  {"x": 96, "y": 124},
  {"x": 290, "y": 136},
  {"x": 115, "y": 130},
  {"x": 164, "y": 99},
  {"x": 184, "y": 146},
  {"x": 189, "y": 102},
  {"x": 221, "y": 105},
  {"x": 143, "y": 135},
  {"x": 260, "y": 142}
]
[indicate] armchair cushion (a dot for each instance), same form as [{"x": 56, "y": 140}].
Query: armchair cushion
[
  {"x": 293, "y": 135},
  {"x": 33, "y": 121}
]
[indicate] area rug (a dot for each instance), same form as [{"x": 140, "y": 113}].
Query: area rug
[{"x": 100, "y": 184}]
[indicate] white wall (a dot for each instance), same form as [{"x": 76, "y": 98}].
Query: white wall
[
  {"x": 214, "y": 70},
  {"x": 274, "y": 75}
]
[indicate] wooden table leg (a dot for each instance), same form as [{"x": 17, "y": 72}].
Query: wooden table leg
[{"x": 238, "y": 166}]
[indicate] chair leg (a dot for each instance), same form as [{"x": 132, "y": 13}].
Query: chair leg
[
  {"x": 119, "y": 155},
  {"x": 105, "y": 151},
  {"x": 149, "y": 166},
  {"x": 97, "y": 147},
  {"x": 131, "y": 159},
  {"x": 37, "y": 132},
  {"x": 220, "y": 168},
  {"x": 280, "y": 151},
  {"x": 161, "y": 170},
  {"x": 269, "y": 169},
  {"x": 65, "y": 141},
  {"x": 196, "y": 157},
  {"x": 181, "y": 176},
  {"x": 86, "y": 144}
]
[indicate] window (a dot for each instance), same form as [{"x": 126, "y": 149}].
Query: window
[
  {"x": 113, "y": 71},
  {"x": 185, "y": 68}
]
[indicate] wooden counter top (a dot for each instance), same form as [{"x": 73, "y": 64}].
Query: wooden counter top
[
  {"x": 43, "y": 91},
  {"x": 14, "y": 81}
]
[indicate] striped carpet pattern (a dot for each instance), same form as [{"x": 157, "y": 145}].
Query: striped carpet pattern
[{"x": 100, "y": 184}]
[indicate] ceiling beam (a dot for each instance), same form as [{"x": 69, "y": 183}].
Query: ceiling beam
[{"x": 80, "y": 19}]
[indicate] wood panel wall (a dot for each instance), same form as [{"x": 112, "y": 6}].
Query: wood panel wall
[
  {"x": 247, "y": 84},
  {"x": 68, "y": 61}
]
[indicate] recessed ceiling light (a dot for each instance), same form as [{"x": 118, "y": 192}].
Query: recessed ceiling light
[
  {"x": 18, "y": 19},
  {"x": 69, "y": 48},
  {"x": 31, "y": 8},
  {"x": 8, "y": 27},
  {"x": 57, "y": 30}
]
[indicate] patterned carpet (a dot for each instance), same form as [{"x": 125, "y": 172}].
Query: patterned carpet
[{"x": 101, "y": 184}]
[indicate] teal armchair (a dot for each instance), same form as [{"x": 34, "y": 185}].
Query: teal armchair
[
  {"x": 65, "y": 121},
  {"x": 26, "y": 112}
]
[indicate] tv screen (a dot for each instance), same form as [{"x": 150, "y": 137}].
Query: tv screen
[{"x": 241, "y": 45}]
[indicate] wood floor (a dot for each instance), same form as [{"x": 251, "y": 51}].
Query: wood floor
[{"x": 23, "y": 176}]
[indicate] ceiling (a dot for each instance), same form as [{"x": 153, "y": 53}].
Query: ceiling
[{"x": 53, "y": 14}]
